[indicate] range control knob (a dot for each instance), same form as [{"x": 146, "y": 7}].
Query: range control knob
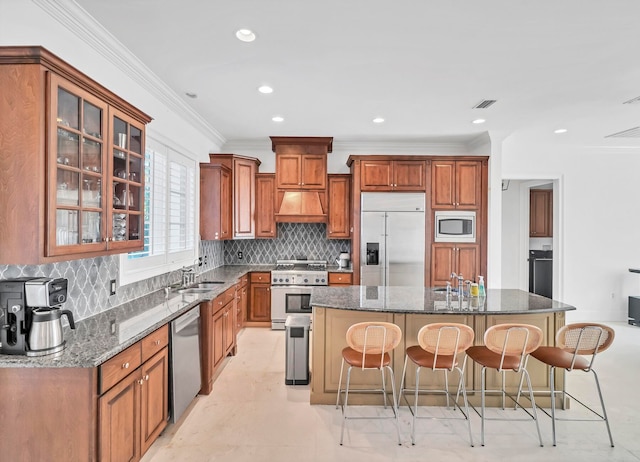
[
  {"x": 317, "y": 280},
  {"x": 306, "y": 280},
  {"x": 322, "y": 280},
  {"x": 286, "y": 280}
]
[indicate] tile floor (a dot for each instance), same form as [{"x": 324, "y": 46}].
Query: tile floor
[{"x": 251, "y": 415}]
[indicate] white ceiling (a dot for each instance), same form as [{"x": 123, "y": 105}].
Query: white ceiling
[{"x": 420, "y": 64}]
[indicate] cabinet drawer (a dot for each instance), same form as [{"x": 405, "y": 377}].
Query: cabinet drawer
[
  {"x": 154, "y": 342},
  {"x": 223, "y": 299},
  {"x": 118, "y": 367},
  {"x": 340, "y": 278},
  {"x": 261, "y": 278}
]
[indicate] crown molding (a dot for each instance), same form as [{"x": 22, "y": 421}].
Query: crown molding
[{"x": 75, "y": 19}]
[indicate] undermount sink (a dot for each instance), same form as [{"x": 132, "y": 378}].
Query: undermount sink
[
  {"x": 209, "y": 283},
  {"x": 194, "y": 290},
  {"x": 444, "y": 289}
]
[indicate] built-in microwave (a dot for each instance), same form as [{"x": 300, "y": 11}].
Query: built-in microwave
[{"x": 455, "y": 226}]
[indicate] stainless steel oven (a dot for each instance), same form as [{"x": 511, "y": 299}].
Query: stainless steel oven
[{"x": 291, "y": 284}]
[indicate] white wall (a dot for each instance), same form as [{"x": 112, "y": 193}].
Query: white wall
[
  {"x": 43, "y": 23},
  {"x": 511, "y": 233},
  {"x": 598, "y": 213}
]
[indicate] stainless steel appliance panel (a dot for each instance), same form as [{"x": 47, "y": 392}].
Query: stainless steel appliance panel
[
  {"x": 185, "y": 361},
  {"x": 392, "y": 239},
  {"x": 372, "y": 254},
  {"x": 405, "y": 249}
]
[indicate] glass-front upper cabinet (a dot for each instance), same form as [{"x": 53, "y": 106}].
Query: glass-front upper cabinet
[
  {"x": 77, "y": 183},
  {"x": 127, "y": 182}
]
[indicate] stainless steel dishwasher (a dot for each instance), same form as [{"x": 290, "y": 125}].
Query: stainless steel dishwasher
[{"x": 185, "y": 361}]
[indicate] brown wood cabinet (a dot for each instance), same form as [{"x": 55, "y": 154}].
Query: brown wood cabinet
[
  {"x": 244, "y": 197},
  {"x": 72, "y": 163},
  {"x": 541, "y": 213},
  {"x": 393, "y": 175},
  {"x": 459, "y": 258},
  {"x": 340, "y": 279},
  {"x": 242, "y": 293},
  {"x": 339, "y": 225},
  {"x": 218, "y": 335},
  {"x": 265, "y": 205},
  {"x": 227, "y": 197},
  {"x": 260, "y": 300},
  {"x": 134, "y": 411},
  {"x": 295, "y": 170},
  {"x": 456, "y": 184},
  {"x": 215, "y": 202}
]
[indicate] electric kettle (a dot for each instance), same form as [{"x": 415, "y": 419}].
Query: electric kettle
[
  {"x": 45, "y": 335},
  {"x": 343, "y": 260}
]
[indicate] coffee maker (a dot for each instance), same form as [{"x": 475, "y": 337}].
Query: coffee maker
[{"x": 21, "y": 300}]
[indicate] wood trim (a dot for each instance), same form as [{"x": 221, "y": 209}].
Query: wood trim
[
  {"x": 41, "y": 56},
  {"x": 302, "y": 141}
]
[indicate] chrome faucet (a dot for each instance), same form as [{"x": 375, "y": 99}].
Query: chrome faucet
[
  {"x": 460, "y": 283},
  {"x": 188, "y": 276}
]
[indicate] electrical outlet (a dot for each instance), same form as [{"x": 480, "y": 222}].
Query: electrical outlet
[
  {"x": 112, "y": 287},
  {"x": 205, "y": 259},
  {"x": 239, "y": 255}
]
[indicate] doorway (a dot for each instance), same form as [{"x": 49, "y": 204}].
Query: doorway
[{"x": 518, "y": 241}]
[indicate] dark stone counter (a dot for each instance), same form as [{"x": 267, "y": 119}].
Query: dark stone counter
[
  {"x": 428, "y": 301},
  {"x": 100, "y": 337}
]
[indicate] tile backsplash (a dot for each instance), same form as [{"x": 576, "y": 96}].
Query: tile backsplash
[
  {"x": 89, "y": 278},
  {"x": 294, "y": 239}
]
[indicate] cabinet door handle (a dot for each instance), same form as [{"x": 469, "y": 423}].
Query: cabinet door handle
[
  {"x": 146, "y": 377},
  {"x": 125, "y": 366},
  {"x": 157, "y": 342},
  {"x": 140, "y": 382}
]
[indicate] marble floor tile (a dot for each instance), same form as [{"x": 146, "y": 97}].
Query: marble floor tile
[{"x": 252, "y": 416}]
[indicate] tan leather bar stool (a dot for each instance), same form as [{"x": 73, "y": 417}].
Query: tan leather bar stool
[
  {"x": 438, "y": 349},
  {"x": 369, "y": 344},
  {"x": 506, "y": 349},
  {"x": 573, "y": 342}
]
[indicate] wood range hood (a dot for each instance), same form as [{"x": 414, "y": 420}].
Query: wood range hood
[{"x": 301, "y": 178}]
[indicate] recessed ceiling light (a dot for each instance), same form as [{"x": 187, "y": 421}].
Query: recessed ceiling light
[
  {"x": 191, "y": 94},
  {"x": 560, "y": 130},
  {"x": 266, "y": 89},
  {"x": 245, "y": 35},
  {"x": 478, "y": 121},
  {"x": 378, "y": 120},
  {"x": 277, "y": 119}
]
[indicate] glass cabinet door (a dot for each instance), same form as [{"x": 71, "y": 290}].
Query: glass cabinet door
[
  {"x": 76, "y": 194},
  {"x": 127, "y": 185}
]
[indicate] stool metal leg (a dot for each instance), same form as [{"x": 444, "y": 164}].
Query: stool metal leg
[
  {"x": 604, "y": 411},
  {"x": 339, "y": 384},
  {"x": 344, "y": 407}
]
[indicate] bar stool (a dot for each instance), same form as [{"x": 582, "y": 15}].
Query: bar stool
[
  {"x": 572, "y": 342},
  {"x": 369, "y": 344},
  {"x": 439, "y": 345},
  {"x": 506, "y": 349}
]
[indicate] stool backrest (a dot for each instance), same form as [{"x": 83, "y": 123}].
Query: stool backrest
[
  {"x": 374, "y": 338},
  {"x": 585, "y": 338},
  {"x": 513, "y": 340},
  {"x": 445, "y": 339}
]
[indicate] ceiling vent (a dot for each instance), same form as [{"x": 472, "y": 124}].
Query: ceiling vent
[
  {"x": 633, "y": 100},
  {"x": 630, "y": 133},
  {"x": 484, "y": 104}
]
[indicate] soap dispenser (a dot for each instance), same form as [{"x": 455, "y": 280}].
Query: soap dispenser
[{"x": 481, "y": 289}]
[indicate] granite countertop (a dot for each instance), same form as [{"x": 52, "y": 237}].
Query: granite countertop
[
  {"x": 100, "y": 337},
  {"x": 426, "y": 300}
]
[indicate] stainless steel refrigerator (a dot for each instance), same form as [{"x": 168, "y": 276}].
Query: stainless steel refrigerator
[{"x": 392, "y": 239}]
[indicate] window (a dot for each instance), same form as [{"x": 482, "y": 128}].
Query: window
[{"x": 169, "y": 221}]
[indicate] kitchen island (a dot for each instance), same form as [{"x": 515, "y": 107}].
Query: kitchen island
[{"x": 337, "y": 308}]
